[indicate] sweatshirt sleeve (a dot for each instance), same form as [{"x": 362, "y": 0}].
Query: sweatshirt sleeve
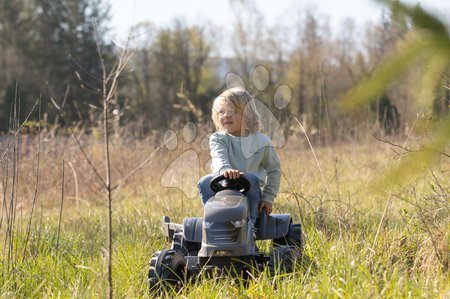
[
  {"x": 271, "y": 164},
  {"x": 219, "y": 153}
]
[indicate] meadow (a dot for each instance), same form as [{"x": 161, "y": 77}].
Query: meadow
[{"x": 365, "y": 237}]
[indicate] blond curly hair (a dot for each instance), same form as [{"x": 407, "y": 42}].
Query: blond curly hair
[{"x": 243, "y": 103}]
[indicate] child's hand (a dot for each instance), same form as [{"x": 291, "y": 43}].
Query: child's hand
[
  {"x": 265, "y": 205},
  {"x": 232, "y": 174}
]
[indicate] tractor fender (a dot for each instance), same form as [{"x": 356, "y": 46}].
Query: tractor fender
[
  {"x": 277, "y": 226},
  {"x": 192, "y": 229}
]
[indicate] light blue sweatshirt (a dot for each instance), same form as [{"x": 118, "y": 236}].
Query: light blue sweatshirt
[{"x": 254, "y": 153}]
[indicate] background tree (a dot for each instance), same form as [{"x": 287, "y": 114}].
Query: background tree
[
  {"x": 66, "y": 52},
  {"x": 16, "y": 23},
  {"x": 247, "y": 38},
  {"x": 309, "y": 65},
  {"x": 176, "y": 57},
  {"x": 48, "y": 48},
  {"x": 55, "y": 51}
]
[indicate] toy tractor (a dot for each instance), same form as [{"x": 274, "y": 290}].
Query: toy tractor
[{"x": 222, "y": 242}]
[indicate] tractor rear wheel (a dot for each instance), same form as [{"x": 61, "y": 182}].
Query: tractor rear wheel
[{"x": 283, "y": 259}]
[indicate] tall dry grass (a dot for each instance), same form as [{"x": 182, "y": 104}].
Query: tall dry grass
[{"x": 352, "y": 250}]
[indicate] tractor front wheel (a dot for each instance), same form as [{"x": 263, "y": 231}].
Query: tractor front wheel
[{"x": 167, "y": 268}]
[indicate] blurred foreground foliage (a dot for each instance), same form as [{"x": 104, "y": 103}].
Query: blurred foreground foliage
[{"x": 427, "y": 47}]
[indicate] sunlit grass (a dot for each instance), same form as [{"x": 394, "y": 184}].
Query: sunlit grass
[{"x": 409, "y": 258}]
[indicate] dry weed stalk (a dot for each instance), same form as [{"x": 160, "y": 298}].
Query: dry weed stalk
[
  {"x": 10, "y": 212},
  {"x": 61, "y": 209},
  {"x": 327, "y": 190},
  {"x": 37, "y": 182},
  {"x": 388, "y": 201}
]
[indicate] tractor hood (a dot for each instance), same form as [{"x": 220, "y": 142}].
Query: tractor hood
[{"x": 228, "y": 204}]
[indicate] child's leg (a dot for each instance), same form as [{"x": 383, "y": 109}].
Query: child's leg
[
  {"x": 204, "y": 188},
  {"x": 254, "y": 195}
]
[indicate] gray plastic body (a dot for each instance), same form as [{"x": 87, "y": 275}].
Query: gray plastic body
[
  {"x": 225, "y": 231},
  {"x": 276, "y": 226}
]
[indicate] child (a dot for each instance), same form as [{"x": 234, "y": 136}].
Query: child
[{"x": 239, "y": 149}]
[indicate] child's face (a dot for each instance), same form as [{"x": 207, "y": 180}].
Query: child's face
[{"x": 230, "y": 119}]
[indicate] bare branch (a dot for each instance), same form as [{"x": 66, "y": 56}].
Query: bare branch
[
  {"x": 404, "y": 148},
  {"x": 131, "y": 173},
  {"x": 190, "y": 105},
  {"x": 89, "y": 161},
  {"x": 109, "y": 85}
]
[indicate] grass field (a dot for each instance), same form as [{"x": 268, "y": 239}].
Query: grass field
[{"x": 365, "y": 239}]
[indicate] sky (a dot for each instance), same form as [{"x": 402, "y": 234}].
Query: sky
[
  {"x": 125, "y": 13},
  {"x": 162, "y": 12}
]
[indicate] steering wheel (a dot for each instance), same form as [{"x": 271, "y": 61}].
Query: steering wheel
[{"x": 220, "y": 182}]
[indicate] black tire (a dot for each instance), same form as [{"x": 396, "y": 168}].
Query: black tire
[
  {"x": 167, "y": 268},
  {"x": 283, "y": 259},
  {"x": 295, "y": 237}
]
